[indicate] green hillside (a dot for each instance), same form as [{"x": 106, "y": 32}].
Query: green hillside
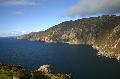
[{"x": 103, "y": 32}]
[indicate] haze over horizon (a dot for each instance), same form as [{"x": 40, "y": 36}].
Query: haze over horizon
[{"x": 24, "y": 16}]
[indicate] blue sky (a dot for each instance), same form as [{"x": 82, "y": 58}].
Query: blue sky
[{"x": 22, "y": 16}]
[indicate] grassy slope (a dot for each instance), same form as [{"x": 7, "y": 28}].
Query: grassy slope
[{"x": 5, "y": 75}]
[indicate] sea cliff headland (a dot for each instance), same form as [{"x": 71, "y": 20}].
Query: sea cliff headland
[{"x": 102, "y": 32}]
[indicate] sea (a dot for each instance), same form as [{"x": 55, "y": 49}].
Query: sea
[{"x": 80, "y": 61}]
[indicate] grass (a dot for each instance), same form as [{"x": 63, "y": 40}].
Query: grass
[{"x": 5, "y": 75}]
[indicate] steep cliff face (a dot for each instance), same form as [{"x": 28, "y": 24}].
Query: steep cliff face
[
  {"x": 109, "y": 45},
  {"x": 102, "y": 32}
]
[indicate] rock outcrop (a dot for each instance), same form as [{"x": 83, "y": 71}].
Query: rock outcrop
[
  {"x": 103, "y": 32},
  {"x": 45, "y": 68},
  {"x": 44, "y": 72}
]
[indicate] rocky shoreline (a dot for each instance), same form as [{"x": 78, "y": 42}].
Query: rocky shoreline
[
  {"x": 102, "y": 53},
  {"x": 103, "y": 32},
  {"x": 18, "y": 72},
  {"x": 99, "y": 53}
]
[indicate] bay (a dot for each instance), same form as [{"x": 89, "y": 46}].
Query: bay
[{"x": 81, "y": 61}]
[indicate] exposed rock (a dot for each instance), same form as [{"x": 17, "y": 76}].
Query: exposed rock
[
  {"x": 103, "y": 32},
  {"x": 44, "y": 72},
  {"x": 47, "y": 72},
  {"x": 45, "y": 68},
  {"x": 15, "y": 77}
]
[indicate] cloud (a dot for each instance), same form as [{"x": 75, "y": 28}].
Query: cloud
[
  {"x": 93, "y": 7},
  {"x": 15, "y": 33},
  {"x": 19, "y": 13},
  {"x": 19, "y": 2}
]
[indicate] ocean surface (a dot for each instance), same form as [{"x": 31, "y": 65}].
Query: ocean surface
[{"x": 81, "y": 61}]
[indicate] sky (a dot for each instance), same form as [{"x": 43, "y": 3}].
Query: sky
[{"x": 23, "y": 16}]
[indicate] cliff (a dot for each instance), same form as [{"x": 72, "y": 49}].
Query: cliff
[{"x": 103, "y": 32}]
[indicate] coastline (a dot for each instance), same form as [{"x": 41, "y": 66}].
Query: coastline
[
  {"x": 43, "y": 72},
  {"x": 94, "y": 46}
]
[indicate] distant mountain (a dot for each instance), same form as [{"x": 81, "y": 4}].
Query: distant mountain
[{"x": 103, "y": 32}]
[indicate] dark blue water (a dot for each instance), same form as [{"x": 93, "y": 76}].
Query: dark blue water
[{"x": 79, "y": 60}]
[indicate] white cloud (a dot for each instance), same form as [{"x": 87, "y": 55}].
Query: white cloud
[
  {"x": 93, "y": 7},
  {"x": 19, "y": 13},
  {"x": 15, "y": 33},
  {"x": 19, "y": 2}
]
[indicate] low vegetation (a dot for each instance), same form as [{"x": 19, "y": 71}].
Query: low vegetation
[
  {"x": 103, "y": 32},
  {"x": 17, "y": 72}
]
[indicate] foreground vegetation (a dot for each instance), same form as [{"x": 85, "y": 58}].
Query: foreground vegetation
[
  {"x": 17, "y": 72},
  {"x": 5, "y": 75}
]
